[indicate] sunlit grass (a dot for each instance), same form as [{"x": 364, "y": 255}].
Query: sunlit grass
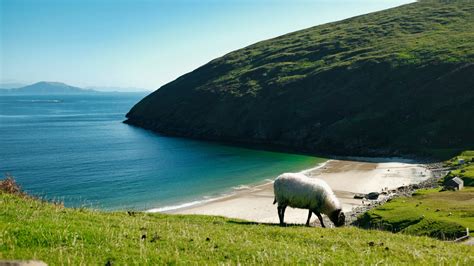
[
  {"x": 440, "y": 214},
  {"x": 30, "y": 229}
]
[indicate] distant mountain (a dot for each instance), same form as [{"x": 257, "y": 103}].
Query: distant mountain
[
  {"x": 44, "y": 87},
  {"x": 47, "y": 87},
  {"x": 395, "y": 82}
]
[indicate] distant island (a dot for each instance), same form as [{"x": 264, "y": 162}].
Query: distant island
[
  {"x": 390, "y": 83},
  {"x": 56, "y": 88},
  {"x": 45, "y": 87}
]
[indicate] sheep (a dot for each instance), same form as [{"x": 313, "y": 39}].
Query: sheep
[{"x": 299, "y": 191}]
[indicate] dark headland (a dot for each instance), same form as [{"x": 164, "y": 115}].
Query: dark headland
[{"x": 395, "y": 82}]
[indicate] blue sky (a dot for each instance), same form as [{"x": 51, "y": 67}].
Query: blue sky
[{"x": 144, "y": 43}]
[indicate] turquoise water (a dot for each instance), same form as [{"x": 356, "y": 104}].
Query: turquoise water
[{"x": 76, "y": 149}]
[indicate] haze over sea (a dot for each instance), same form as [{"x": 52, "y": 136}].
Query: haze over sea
[{"x": 76, "y": 149}]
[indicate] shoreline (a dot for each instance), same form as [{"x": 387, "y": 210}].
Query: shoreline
[
  {"x": 235, "y": 191},
  {"x": 346, "y": 178}
]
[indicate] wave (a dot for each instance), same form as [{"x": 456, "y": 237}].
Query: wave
[
  {"x": 319, "y": 166},
  {"x": 179, "y": 206},
  {"x": 241, "y": 187},
  {"x": 41, "y": 101}
]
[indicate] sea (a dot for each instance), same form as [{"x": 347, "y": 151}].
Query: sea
[{"x": 75, "y": 149}]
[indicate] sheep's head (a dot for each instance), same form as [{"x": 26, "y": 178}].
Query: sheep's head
[{"x": 338, "y": 218}]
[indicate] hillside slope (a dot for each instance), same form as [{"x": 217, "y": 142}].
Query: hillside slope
[
  {"x": 31, "y": 229},
  {"x": 393, "y": 82}
]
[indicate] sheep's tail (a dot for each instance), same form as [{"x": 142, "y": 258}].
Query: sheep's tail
[{"x": 275, "y": 200}]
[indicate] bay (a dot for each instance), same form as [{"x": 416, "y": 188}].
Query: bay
[{"x": 75, "y": 149}]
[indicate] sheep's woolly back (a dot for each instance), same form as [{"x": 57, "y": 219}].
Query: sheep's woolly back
[{"x": 299, "y": 191}]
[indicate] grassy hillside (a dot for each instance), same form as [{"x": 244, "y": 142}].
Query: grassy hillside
[
  {"x": 465, "y": 171},
  {"x": 443, "y": 215},
  {"x": 57, "y": 235},
  {"x": 392, "y": 82},
  {"x": 433, "y": 212}
]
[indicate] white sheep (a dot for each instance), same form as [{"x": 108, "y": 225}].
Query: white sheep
[{"x": 299, "y": 191}]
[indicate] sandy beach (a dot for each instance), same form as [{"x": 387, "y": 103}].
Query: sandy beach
[{"x": 346, "y": 178}]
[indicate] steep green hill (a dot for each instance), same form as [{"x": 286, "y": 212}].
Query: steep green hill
[
  {"x": 392, "y": 82},
  {"x": 31, "y": 229}
]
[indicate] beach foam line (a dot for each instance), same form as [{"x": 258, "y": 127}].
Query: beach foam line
[
  {"x": 319, "y": 166},
  {"x": 241, "y": 187},
  {"x": 179, "y": 206},
  {"x": 206, "y": 199}
]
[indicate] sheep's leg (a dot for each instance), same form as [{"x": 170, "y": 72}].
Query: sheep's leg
[
  {"x": 320, "y": 219},
  {"x": 281, "y": 214},
  {"x": 309, "y": 217}
]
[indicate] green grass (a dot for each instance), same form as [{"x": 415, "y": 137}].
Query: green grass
[
  {"x": 432, "y": 213},
  {"x": 407, "y": 35},
  {"x": 464, "y": 171},
  {"x": 30, "y": 229}
]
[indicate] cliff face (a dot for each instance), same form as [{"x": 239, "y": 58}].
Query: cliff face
[{"x": 387, "y": 83}]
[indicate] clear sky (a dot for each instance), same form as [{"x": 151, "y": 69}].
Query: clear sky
[{"x": 144, "y": 43}]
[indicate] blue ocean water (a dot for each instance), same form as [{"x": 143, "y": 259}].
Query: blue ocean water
[{"x": 76, "y": 149}]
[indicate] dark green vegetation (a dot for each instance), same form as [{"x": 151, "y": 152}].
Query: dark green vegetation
[
  {"x": 394, "y": 82},
  {"x": 465, "y": 171},
  {"x": 33, "y": 229},
  {"x": 443, "y": 215}
]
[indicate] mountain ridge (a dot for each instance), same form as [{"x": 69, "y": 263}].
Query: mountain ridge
[
  {"x": 54, "y": 87},
  {"x": 47, "y": 87}
]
